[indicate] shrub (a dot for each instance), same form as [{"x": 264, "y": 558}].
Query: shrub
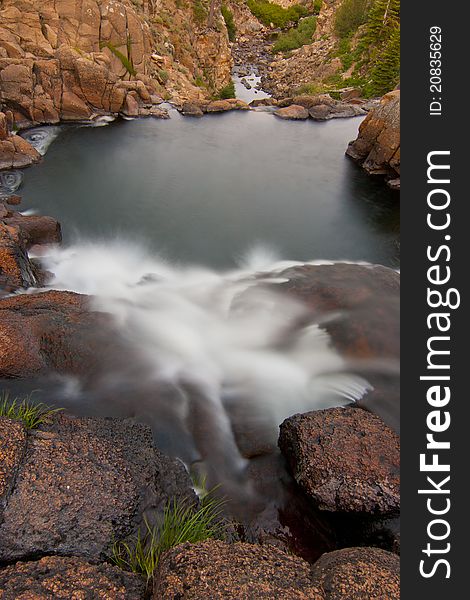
[
  {"x": 317, "y": 6},
  {"x": 297, "y": 36},
  {"x": 269, "y": 13},
  {"x": 350, "y": 15},
  {"x": 229, "y": 22},
  {"x": 25, "y": 410},
  {"x": 181, "y": 523},
  {"x": 200, "y": 11},
  {"x": 227, "y": 92},
  {"x": 163, "y": 76}
]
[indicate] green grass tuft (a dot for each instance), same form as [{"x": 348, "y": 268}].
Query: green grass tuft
[
  {"x": 181, "y": 523},
  {"x": 30, "y": 413}
]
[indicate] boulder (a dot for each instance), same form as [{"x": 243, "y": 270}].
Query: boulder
[
  {"x": 16, "y": 153},
  {"x": 294, "y": 112},
  {"x": 377, "y": 147},
  {"x": 50, "y": 331},
  {"x": 16, "y": 270},
  {"x": 340, "y": 110},
  {"x": 66, "y": 578},
  {"x": 214, "y": 569},
  {"x": 357, "y": 574},
  {"x": 191, "y": 109},
  {"x": 345, "y": 459},
  {"x": 84, "y": 484},
  {"x": 35, "y": 229}
]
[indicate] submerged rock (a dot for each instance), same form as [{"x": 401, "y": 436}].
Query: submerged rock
[
  {"x": 85, "y": 483},
  {"x": 357, "y": 574},
  {"x": 377, "y": 147},
  {"x": 215, "y": 569},
  {"x": 66, "y": 578},
  {"x": 344, "y": 459}
]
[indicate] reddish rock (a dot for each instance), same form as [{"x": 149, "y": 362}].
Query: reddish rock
[
  {"x": 50, "y": 331},
  {"x": 377, "y": 147},
  {"x": 358, "y": 574},
  {"x": 191, "y": 109},
  {"x": 13, "y": 200},
  {"x": 68, "y": 578},
  {"x": 364, "y": 300},
  {"x": 16, "y": 270},
  {"x": 344, "y": 459},
  {"x": 294, "y": 112},
  {"x": 36, "y": 229},
  {"x": 85, "y": 483},
  {"x": 217, "y": 570}
]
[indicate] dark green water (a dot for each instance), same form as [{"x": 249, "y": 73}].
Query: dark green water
[{"x": 206, "y": 191}]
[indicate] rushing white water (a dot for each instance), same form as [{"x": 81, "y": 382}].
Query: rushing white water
[
  {"x": 41, "y": 137},
  {"x": 231, "y": 350}
]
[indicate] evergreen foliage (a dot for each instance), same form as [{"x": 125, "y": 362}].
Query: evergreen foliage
[{"x": 229, "y": 22}]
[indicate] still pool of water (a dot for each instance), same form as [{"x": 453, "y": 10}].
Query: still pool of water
[{"x": 207, "y": 191}]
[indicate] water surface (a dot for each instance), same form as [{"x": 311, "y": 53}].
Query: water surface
[{"x": 206, "y": 191}]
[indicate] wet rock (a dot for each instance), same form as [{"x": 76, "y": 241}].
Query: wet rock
[
  {"x": 36, "y": 229},
  {"x": 293, "y": 112},
  {"x": 85, "y": 483},
  {"x": 358, "y": 573},
  {"x": 66, "y": 578},
  {"x": 13, "y": 200},
  {"x": 377, "y": 147},
  {"x": 344, "y": 459},
  {"x": 191, "y": 109},
  {"x": 360, "y": 304},
  {"x": 281, "y": 516},
  {"x": 12, "y": 447},
  {"x": 16, "y": 270},
  {"x": 215, "y": 569},
  {"x": 50, "y": 331}
]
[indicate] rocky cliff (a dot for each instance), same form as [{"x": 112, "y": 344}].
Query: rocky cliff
[
  {"x": 71, "y": 59},
  {"x": 377, "y": 147}
]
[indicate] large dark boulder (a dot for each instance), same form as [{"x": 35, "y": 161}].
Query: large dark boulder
[
  {"x": 345, "y": 459},
  {"x": 85, "y": 483},
  {"x": 67, "y": 578}
]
